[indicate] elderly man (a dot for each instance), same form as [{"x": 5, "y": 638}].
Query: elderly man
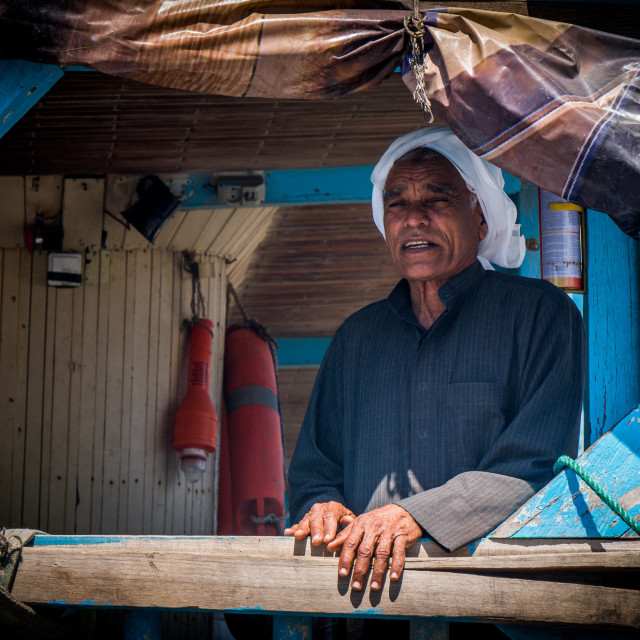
[{"x": 440, "y": 410}]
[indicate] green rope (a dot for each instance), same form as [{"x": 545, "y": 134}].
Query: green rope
[{"x": 566, "y": 461}]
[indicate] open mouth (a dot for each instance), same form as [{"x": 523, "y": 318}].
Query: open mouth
[{"x": 417, "y": 245}]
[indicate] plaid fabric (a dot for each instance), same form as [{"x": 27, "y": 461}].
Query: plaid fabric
[{"x": 554, "y": 104}]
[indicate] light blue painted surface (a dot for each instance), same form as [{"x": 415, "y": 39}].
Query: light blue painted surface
[
  {"x": 567, "y": 508},
  {"x": 301, "y": 352},
  {"x": 23, "y": 84},
  {"x": 292, "y": 187},
  {"x": 612, "y": 318}
]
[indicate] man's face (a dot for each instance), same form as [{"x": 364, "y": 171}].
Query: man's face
[{"x": 431, "y": 223}]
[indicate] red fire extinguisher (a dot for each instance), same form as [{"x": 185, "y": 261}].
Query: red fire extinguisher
[{"x": 196, "y": 421}]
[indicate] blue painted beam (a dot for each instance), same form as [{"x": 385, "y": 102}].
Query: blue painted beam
[
  {"x": 22, "y": 84},
  {"x": 568, "y": 508},
  {"x": 290, "y": 187},
  {"x": 612, "y": 317},
  {"x": 301, "y": 352}
]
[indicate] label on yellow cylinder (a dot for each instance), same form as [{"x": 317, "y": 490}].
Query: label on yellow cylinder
[{"x": 561, "y": 238}]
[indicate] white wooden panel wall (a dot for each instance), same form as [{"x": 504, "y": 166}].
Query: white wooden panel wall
[
  {"x": 90, "y": 377},
  {"x": 89, "y": 381}
]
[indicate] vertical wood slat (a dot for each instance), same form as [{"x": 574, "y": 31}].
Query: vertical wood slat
[
  {"x": 20, "y": 373},
  {"x": 47, "y": 407},
  {"x": 99, "y": 418},
  {"x": 74, "y": 427},
  {"x": 102, "y": 374},
  {"x": 164, "y": 404},
  {"x": 152, "y": 425},
  {"x": 88, "y": 393},
  {"x": 12, "y": 212},
  {"x": 139, "y": 392},
  {"x": 127, "y": 390},
  {"x": 60, "y": 409},
  {"x": 35, "y": 387},
  {"x": 113, "y": 393}
]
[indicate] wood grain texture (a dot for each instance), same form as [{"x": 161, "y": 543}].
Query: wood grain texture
[
  {"x": 239, "y": 574},
  {"x": 567, "y": 507}
]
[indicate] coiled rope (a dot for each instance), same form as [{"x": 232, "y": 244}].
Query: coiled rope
[{"x": 597, "y": 488}]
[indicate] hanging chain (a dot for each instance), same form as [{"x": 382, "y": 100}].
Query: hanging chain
[
  {"x": 415, "y": 27},
  {"x": 198, "y": 307}
]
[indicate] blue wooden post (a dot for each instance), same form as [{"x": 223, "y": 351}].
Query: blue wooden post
[{"x": 612, "y": 316}]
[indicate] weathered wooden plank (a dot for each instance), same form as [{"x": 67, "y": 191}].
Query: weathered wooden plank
[
  {"x": 163, "y": 414},
  {"x": 82, "y": 212},
  {"x": 151, "y": 453},
  {"x": 60, "y": 410},
  {"x": 192, "y": 226},
  {"x": 175, "y": 495},
  {"x": 8, "y": 323},
  {"x": 12, "y": 212},
  {"x": 219, "y": 574},
  {"x": 35, "y": 387},
  {"x": 115, "y": 311},
  {"x": 88, "y": 393},
  {"x": 567, "y": 507},
  {"x": 19, "y": 392},
  {"x": 139, "y": 329},
  {"x": 126, "y": 417},
  {"x": 74, "y": 428},
  {"x": 210, "y": 231},
  {"x": 99, "y": 417},
  {"x": 47, "y": 408}
]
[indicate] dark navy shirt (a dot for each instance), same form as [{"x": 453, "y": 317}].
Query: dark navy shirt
[{"x": 459, "y": 424}]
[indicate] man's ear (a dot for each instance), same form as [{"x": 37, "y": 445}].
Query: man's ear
[{"x": 483, "y": 229}]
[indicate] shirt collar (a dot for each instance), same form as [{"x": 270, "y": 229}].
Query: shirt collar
[{"x": 450, "y": 293}]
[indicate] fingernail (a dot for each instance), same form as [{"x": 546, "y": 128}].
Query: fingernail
[
  {"x": 317, "y": 539},
  {"x": 374, "y": 585},
  {"x": 343, "y": 572},
  {"x": 356, "y": 586},
  {"x": 394, "y": 576}
]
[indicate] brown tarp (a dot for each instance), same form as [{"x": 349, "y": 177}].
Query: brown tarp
[{"x": 554, "y": 104}]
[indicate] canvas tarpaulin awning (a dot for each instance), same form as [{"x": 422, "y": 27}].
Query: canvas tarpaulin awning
[{"x": 554, "y": 104}]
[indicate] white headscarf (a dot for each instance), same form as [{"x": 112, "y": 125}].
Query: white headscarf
[{"x": 503, "y": 244}]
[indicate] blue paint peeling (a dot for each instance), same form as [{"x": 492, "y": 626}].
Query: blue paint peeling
[{"x": 568, "y": 508}]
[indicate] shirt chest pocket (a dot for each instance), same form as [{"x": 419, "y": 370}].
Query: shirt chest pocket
[{"x": 477, "y": 413}]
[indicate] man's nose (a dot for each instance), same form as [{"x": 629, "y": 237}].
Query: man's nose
[{"x": 417, "y": 215}]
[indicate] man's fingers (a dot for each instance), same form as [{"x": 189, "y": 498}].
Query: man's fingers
[
  {"x": 364, "y": 557},
  {"x": 381, "y": 562},
  {"x": 349, "y": 550},
  {"x": 397, "y": 561},
  {"x": 316, "y": 526}
]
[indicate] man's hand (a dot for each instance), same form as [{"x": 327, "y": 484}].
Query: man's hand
[
  {"x": 321, "y": 523},
  {"x": 375, "y": 535}
]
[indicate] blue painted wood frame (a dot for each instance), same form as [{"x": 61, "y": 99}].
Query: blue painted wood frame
[
  {"x": 23, "y": 84},
  {"x": 291, "y": 187},
  {"x": 612, "y": 318},
  {"x": 568, "y": 508}
]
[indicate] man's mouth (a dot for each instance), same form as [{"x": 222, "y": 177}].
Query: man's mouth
[{"x": 417, "y": 245}]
